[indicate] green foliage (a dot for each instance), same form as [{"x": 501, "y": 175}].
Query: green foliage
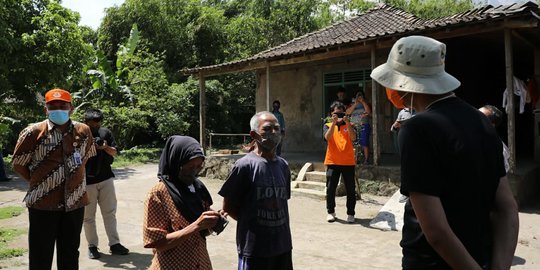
[
  {"x": 41, "y": 47},
  {"x": 188, "y": 92},
  {"x": 7, "y": 235},
  {"x": 136, "y": 156},
  {"x": 107, "y": 84},
  {"x": 290, "y": 19},
  {"x": 131, "y": 92},
  {"x": 188, "y": 32},
  {"x": 247, "y": 36},
  {"x": 429, "y": 9},
  {"x": 6, "y": 253},
  {"x": 4, "y": 133},
  {"x": 129, "y": 67},
  {"x": 10, "y": 211},
  {"x": 7, "y": 162}
]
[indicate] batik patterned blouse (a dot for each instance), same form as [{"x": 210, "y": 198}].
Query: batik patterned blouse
[{"x": 161, "y": 217}]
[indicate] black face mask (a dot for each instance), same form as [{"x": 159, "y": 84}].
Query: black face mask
[
  {"x": 269, "y": 141},
  {"x": 189, "y": 177}
]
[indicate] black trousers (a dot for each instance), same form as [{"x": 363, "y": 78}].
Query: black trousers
[
  {"x": 279, "y": 262},
  {"x": 332, "y": 180},
  {"x": 50, "y": 227}
]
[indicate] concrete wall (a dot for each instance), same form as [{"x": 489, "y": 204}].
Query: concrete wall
[{"x": 299, "y": 88}]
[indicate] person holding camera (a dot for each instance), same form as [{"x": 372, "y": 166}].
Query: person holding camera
[
  {"x": 360, "y": 112},
  {"x": 177, "y": 214},
  {"x": 339, "y": 135},
  {"x": 100, "y": 188},
  {"x": 256, "y": 194}
]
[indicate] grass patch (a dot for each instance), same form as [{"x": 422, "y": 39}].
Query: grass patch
[
  {"x": 10, "y": 211},
  {"x": 7, "y": 235},
  {"x": 136, "y": 156}
]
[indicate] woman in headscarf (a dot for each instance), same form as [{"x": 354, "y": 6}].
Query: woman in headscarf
[{"x": 177, "y": 214}]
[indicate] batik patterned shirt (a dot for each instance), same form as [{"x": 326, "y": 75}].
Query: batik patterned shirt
[
  {"x": 54, "y": 164},
  {"x": 161, "y": 217}
]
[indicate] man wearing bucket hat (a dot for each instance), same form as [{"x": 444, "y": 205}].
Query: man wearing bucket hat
[
  {"x": 461, "y": 213},
  {"x": 51, "y": 156}
]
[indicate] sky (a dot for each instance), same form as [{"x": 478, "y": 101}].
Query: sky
[{"x": 92, "y": 11}]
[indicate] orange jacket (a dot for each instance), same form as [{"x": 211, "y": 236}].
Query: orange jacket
[{"x": 340, "y": 148}]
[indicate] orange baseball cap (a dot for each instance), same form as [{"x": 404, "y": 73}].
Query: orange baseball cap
[{"x": 57, "y": 94}]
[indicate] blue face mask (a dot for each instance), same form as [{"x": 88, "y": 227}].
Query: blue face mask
[{"x": 59, "y": 117}]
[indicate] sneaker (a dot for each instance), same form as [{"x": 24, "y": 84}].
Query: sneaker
[
  {"x": 331, "y": 217},
  {"x": 350, "y": 219},
  {"x": 118, "y": 249},
  {"x": 403, "y": 199},
  {"x": 93, "y": 253}
]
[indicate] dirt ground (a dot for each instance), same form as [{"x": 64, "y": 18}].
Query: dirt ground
[{"x": 316, "y": 243}]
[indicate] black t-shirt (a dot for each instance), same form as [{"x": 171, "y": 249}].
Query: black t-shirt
[
  {"x": 261, "y": 189},
  {"x": 98, "y": 168},
  {"x": 450, "y": 151}
]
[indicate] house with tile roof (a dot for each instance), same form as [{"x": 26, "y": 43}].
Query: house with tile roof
[{"x": 486, "y": 48}]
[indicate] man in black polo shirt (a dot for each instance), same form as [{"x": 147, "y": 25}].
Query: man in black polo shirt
[
  {"x": 100, "y": 187},
  {"x": 461, "y": 213}
]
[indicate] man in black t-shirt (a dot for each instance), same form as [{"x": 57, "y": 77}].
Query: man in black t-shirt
[
  {"x": 100, "y": 188},
  {"x": 461, "y": 213},
  {"x": 256, "y": 194}
]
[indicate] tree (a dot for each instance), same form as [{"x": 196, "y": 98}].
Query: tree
[
  {"x": 188, "y": 32},
  {"x": 131, "y": 91},
  {"x": 134, "y": 77},
  {"x": 41, "y": 47},
  {"x": 429, "y": 9}
]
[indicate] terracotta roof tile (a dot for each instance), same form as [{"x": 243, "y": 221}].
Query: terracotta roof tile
[{"x": 381, "y": 21}]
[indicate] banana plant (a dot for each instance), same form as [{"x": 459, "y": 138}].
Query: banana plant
[{"x": 107, "y": 83}]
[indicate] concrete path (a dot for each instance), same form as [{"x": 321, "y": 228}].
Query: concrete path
[{"x": 317, "y": 244}]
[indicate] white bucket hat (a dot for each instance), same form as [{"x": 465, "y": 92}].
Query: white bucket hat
[{"x": 416, "y": 64}]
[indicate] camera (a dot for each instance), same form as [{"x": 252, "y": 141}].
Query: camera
[
  {"x": 220, "y": 225},
  {"x": 99, "y": 141}
]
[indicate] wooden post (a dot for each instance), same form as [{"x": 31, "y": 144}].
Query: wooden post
[
  {"x": 375, "y": 110},
  {"x": 202, "y": 111},
  {"x": 508, "y": 57},
  {"x": 267, "y": 86}
]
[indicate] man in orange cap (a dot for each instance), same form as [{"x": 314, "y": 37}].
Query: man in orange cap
[{"x": 51, "y": 156}]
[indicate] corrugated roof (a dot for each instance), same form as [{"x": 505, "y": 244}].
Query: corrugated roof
[{"x": 378, "y": 22}]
